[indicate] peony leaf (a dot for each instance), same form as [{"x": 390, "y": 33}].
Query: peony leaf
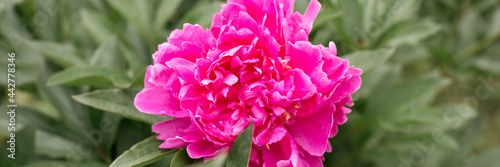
[
  {"x": 324, "y": 17},
  {"x": 406, "y": 95},
  {"x": 27, "y": 65},
  {"x": 90, "y": 75},
  {"x": 351, "y": 18},
  {"x": 240, "y": 151},
  {"x": 487, "y": 158},
  {"x": 107, "y": 55},
  {"x": 24, "y": 142},
  {"x": 8, "y": 4},
  {"x": 138, "y": 80},
  {"x": 218, "y": 161},
  {"x": 164, "y": 11},
  {"x": 139, "y": 19},
  {"x": 488, "y": 65},
  {"x": 89, "y": 163},
  {"x": 97, "y": 25},
  {"x": 69, "y": 112},
  {"x": 133, "y": 59},
  {"x": 414, "y": 34},
  {"x": 201, "y": 13},
  {"x": 368, "y": 60},
  {"x": 118, "y": 102},
  {"x": 181, "y": 159},
  {"x": 143, "y": 153},
  {"x": 61, "y": 54},
  {"x": 57, "y": 147}
]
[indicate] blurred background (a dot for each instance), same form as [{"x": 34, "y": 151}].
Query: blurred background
[{"x": 430, "y": 94}]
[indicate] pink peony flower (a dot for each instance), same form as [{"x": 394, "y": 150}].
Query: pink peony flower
[{"x": 254, "y": 64}]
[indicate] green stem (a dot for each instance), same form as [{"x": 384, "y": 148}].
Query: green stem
[{"x": 476, "y": 47}]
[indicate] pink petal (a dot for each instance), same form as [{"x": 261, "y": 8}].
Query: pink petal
[
  {"x": 175, "y": 132},
  {"x": 231, "y": 79},
  {"x": 158, "y": 101},
  {"x": 184, "y": 69},
  {"x": 157, "y": 74},
  {"x": 312, "y": 132},
  {"x": 349, "y": 86},
  {"x": 270, "y": 136},
  {"x": 304, "y": 88},
  {"x": 282, "y": 153},
  {"x": 332, "y": 48},
  {"x": 147, "y": 76},
  {"x": 308, "y": 160},
  {"x": 304, "y": 55},
  {"x": 310, "y": 14},
  {"x": 201, "y": 149}
]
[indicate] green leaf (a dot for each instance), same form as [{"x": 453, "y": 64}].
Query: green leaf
[
  {"x": 55, "y": 146},
  {"x": 97, "y": 25},
  {"x": 406, "y": 95},
  {"x": 164, "y": 11},
  {"x": 33, "y": 117},
  {"x": 201, "y": 13},
  {"x": 323, "y": 35},
  {"x": 134, "y": 132},
  {"x": 108, "y": 55},
  {"x": 138, "y": 81},
  {"x": 490, "y": 66},
  {"x": 409, "y": 54},
  {"x": 24, "y": 142},
  {"x": 8, "y": 4},
  {"x": 387, "y": 34},
  {"x": 134, "y": 61},
  {"x": 142, "y": 153},
  {"x": 90, "y": 75},
  {"x": 54, "y": 163},
  {"x": 379, "y": 78},
  {"x": 325, "y": 16},
  {"x": 239, "y": 155},
  {"x": 181, "y": 159},
  {"x": 218, "y": 161},
  {"x": 488, "y": 158},
  {"x": 118, "y": 102},
  {"x": 140, "y": 18},
  {"x": 11, "y": 28},
  {"x": 300, "y": 6},
  {"x": 109, "y": 127},
  {"x": 71, "y": 113},
  {"x": 368, "y": 60},
  {"x": 414, "y": 33},
  {"x": 27, "y": 65},
  {"x": 495, "y": 23},
  {"x": 351, "y": 18},
  {"x": 62, "y": 54}
]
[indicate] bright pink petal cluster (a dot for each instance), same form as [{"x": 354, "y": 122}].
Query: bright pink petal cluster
[{"x": 254, "y": 64}]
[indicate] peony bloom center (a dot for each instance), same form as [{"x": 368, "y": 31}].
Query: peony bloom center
[{"x": 254, "y": 64}]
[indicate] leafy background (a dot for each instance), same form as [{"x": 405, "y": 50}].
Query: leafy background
[{"x": 430, "y": 92}]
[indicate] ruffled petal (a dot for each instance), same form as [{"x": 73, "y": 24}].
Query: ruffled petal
[
  {"x": 312, "y": 132},
  {"x": 202, "y": 149},
  {"x": 283, "y": 153},
  {"x": 159, "y": 101},
  {"x": 308, "y": 160},
  {"x": 175, "y": 133},
  {"x": 310, "y": 14}
]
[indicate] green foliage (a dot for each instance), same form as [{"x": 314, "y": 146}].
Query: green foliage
[
  {"x": 429, "y": 96},
  {"x": 181, "y": 158},
  {"x": 118, "y": 102},
  {"x": 367, "y": 60},
  {"x": 142, "y": 153},
  {"x": 240, "y": 151}
]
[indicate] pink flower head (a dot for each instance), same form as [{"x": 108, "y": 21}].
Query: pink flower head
[{"x": 254, "y": 64}]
